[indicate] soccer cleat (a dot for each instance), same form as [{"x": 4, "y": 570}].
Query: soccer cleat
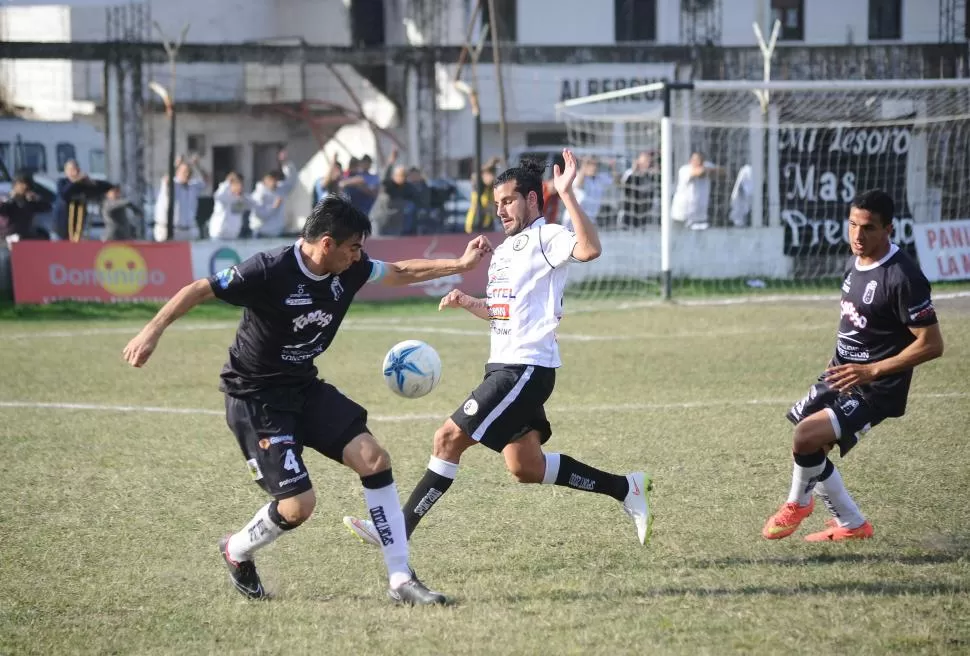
[
  {"x": 785, "y": 522},
  {"x": 363, "y": 529},
  {"x": 637, "y": 504},
  {"x": 415, "y": 593},
  {"x": 242, "y": 574},
  {"x": 838, "y": 533}
]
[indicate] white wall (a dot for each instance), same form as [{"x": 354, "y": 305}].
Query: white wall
[{"x": 43, "y": 85}]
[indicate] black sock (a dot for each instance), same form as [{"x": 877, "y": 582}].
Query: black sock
[
  {"x": 580, "y": 476},
  {"x": 436, "y": 480}
]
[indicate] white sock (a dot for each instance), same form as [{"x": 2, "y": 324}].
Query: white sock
[
  {"x": 385, "y": 511},
  {"x": 259, "y": 532},
  {"x": 836, "y": 498},
  {"x": 552, "y": 469},
  {"x": 803, "y": 480}
]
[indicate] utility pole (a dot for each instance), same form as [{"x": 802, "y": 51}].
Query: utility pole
[
  {"x": 472, "y": 92},
  {"x": 168, "y": 98},
  {"x": 496, "y": 35}
]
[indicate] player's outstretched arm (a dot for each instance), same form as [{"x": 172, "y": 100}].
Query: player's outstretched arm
[
  {"x": 588, "y": 245},
  {"x": 459, "y": 299},
  {"x": 407, "y": 272},
  {"x": 927, "y": 346},
  {"x": 140, "y": 348}
]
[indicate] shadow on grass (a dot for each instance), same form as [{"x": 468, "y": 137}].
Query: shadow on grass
[{"x": 934, "y": 558}]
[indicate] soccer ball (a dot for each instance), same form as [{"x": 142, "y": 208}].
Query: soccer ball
[{"x": 412, "y": 369}]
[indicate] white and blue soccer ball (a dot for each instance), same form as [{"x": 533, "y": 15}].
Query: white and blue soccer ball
[{"x": 412, "y": 369}]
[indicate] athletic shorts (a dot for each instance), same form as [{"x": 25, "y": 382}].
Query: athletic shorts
[
  {"x": 852, "y": 416},
  {"x": 273, "y": 426},
  {"x": 507, "y": 405}
]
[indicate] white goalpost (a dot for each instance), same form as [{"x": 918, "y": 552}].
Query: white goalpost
[{"x": 765, "y": 209}]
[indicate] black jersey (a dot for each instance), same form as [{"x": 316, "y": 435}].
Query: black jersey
[
  {"x": 879, "y": 304},
  {"x": 291, "y": 317}
]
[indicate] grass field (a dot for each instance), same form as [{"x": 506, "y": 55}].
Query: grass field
[{"x": 116, "y": 483}]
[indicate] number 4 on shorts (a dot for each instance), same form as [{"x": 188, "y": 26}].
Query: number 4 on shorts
[{"x": 290, "y": 462}]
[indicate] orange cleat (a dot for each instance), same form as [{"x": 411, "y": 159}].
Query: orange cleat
[
  {"x": 785, "y": 522},
  {"x": 835, "y": 533}
]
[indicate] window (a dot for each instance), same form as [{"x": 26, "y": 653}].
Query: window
[
  {"x": 33, "y": 157},
  {"x": 505, "y": 23},
  {"x": 547, "y": 138},
  {"x": 64, "y": 152},
  {"x": 96, "y": 165},
  {"x": 635, "y": 20},
  {"x": 885, "y": 19},
  {"x": 196, "y": 144},
  {"x": 791, "y": 13}
]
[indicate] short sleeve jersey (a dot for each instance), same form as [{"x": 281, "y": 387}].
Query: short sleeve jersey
[
  {"x": 526, "y": 281},
  {"x": 291, "y": 316},
  {"x": 880, "y": 302}
]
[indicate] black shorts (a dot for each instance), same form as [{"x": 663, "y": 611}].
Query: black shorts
[
  {"x": 507, "y": 404},
  {"x": 273, "y": 426},
  {"x": 851, "y": 414}
]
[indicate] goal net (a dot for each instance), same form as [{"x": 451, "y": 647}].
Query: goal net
[{"x": 744, "y": 187}]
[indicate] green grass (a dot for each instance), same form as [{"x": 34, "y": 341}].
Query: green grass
[{"x": 109, "y": 519}]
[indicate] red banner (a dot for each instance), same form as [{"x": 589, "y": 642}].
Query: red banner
[
  {"x": 432, "y": 247},
  {"x": 109, "y": 272}
]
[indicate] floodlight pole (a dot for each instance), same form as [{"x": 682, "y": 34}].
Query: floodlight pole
[
  {"x": 472, "y": 92},
  {"x": 168, "y": 97}
]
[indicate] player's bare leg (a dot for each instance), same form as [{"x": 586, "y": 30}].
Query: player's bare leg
[
  {"x": 814, "y": 472},
  {"x": 270, "y": 522},
  {"x": 372, "y": 463},
  {"x": 526, "y": 461}
]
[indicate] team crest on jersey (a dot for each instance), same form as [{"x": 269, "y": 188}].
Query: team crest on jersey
[
  {"x": 519, "y": 242},
  {"x": 226, "y": 276},
  {"x": 336, "y": 288},
  {"x": 870, "y": 292},
  {"x": 847, "y": 283}
]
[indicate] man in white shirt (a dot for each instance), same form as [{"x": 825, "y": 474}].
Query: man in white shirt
[
  {"x": 692, "y": 196},
  {"x": 190, "y": 183},
  {"x": 526, "y": 281},
  {"x": 269, "y": 217}
]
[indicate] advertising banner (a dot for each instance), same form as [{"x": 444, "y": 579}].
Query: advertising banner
[
  {"x": 107, "y": 272},
  {"x": 944, "y": 250}
]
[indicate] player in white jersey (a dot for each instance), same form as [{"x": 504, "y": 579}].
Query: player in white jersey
[{"x": 523, "y": 304}]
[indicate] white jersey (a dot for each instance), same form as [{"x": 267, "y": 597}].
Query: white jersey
[{"x": 526, "y": 281}]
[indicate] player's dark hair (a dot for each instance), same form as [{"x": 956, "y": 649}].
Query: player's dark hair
[
  {"x": 336, "y": 216},
  {"x": 527, "y": 177},
  {"x": 878, "y": 202}
]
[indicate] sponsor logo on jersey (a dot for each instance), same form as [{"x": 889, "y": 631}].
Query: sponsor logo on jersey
[
  {"x": 499, "y": 312},
  {"x": 226, "y": 276},
  {"x": 849, "y": 406},
  {"x": 870, "y": 292},
  {"x": 336, "y": 288},
  {"x": 849, "y": 310},
  {"x": 318, "y": 317},
  {"x": 847, "y": 283},
  {"x": 267, "y": 442},
  {"x": 499, "y": 293},
  {"x": 470, "y": 408},
  {"x": 290, "y": 481},
  {"x": 520, "y": 242},
  {"x": 921, "y": 311},
  {"x": 300, "y": 297}
]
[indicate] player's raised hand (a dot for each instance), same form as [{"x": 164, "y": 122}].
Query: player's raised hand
[
  {"x": 481, "y": 242},
  {"x": 563, "y": 179},
  {"x": 847, "y": 376},
  {"x": 140, "y": 348},
  {"x": 453, "y": 299},
  {"x": 477, "y": 248}
]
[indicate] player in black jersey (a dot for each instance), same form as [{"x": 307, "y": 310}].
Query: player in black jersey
[
  {"x": 295, "y": 299},
  {"x": 888, "y": 326}
]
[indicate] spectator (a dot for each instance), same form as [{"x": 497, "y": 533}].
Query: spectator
[
  {"x": 640, "y": 192},
  {"x": 486, "y": 220},
  {"x": 693, "y": 193},
  {"x": 115, "y": 212},
  {"x": 360, "y": 185},
  {"x": 742, "y": 197},
  {"x": 190, "y": 182},
  {"x": 395, "y": 208},
  {"x": 74, "y": 191},
  {"x": 328, "y": 184},
  {"x": 268, "y": 219},
  {"x": 17, "y": 212},
  {"x": 230, "y": 203},
  {"x": 590, "y": 187}
]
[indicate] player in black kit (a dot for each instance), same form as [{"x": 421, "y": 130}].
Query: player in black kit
[
  {"x": 888, "y": 326},
  {"x": 295, "y": 299}
]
